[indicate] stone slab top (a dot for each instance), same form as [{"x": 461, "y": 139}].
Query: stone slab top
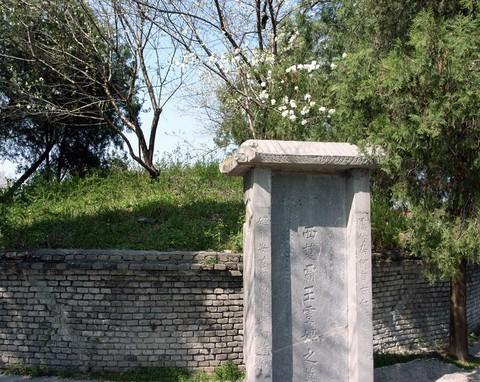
[{"x": 294, "y": 155}]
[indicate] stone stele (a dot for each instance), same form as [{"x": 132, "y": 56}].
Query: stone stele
[{"x": 307, "y": 261}]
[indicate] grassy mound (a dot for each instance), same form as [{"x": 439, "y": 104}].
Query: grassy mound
[{"x": 187, "y": 208}]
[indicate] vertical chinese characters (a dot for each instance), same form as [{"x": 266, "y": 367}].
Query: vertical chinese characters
[{"x": 310, "y": 255}]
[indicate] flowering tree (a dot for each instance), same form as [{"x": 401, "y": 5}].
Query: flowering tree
[
  {"x": 259, "y": 74},
  {"x": 108, "y": 58}
]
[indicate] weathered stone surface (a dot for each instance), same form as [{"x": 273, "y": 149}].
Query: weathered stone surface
[
  {"x": 307, "y": 254},
  {"x": 293, "y": 155},
  {"x": 308, "y": 233},
  {"x": 257, "y": 282}
]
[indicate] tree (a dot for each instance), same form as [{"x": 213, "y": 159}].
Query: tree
[
  {"x": 107, "y": 58},
  {"x": 40, "y": 137},
  {"x": 40, "y": 141},
  {"x": 403, "y": 76},
  {"x": 410, "y": 85},
  {"x": 242, "y": 52}
]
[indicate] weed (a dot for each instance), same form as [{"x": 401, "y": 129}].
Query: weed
[
  {"x": 21, "y": 369},
  {"x": 210, "y": 260},
  {"x": 228, "y": 372}
]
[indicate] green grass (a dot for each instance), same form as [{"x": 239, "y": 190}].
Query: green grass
[
  {"x": 20, "y": 369},
  {"x": 187, "y": 208},
  {"x": 228, "y": 372},
  {"x": 387, "y": 359}
]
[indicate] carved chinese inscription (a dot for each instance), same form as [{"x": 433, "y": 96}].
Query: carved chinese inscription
[
  {"x": 310, "y": 253},
  {"x": 262, "y": 270},
  {"x": 363, "y": 258}
]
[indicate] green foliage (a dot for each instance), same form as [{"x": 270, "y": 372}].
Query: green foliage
[
  {"x": 388, "y": 224},
  {"x": 287, "y": 96},
  {"x": 228, "y": 372},
  {"x": 443, "y": 242},
  {"x": 20, "y": 369},
  {"x": 188, "y": 208},
  {"x": 42, "y": 110},
  {"x": 387, "y": 359},
  {"x": 210, "y": 260},
  {"x": 416, "y": 96},
  {"x": 405, "y": 78},
  {"x": 166, "y": 374}
]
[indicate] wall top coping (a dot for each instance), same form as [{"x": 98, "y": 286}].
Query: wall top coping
[
  {"x": 294, "y": 155},
  {"x": 120, "y": 260}
]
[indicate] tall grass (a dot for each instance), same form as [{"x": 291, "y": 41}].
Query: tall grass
[
  {"x": 190, "y": 207},
  {"x": 187, "y": 208}
]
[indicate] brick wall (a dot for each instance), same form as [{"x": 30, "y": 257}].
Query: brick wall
[
  {"x": 118, "y": 310},
  {"x": 124, "y": 309},
  {"x": 473, "y": 298},
  {"x": 408, "y": 311}
]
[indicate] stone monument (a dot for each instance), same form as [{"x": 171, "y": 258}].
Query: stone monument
[{"x": 307, "y": 261}]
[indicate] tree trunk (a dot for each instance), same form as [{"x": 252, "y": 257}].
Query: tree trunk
[
  {"x": 458, "y": 313},
  {"x": 35, "y": 165},
  {"x": 153, "y": 172}
]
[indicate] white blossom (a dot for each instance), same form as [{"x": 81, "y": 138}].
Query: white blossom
[
  {"x": 307, "y": 97},
  {"x": 273, "y": 101},
  {"x": 292, "y": 117},
  {"x": 332, "y": 66},
  {"x": 293, "y": 104},
  {"x": 284, "y": 113},
  {"x": 312, "y": 103},
  {"x": 322, "y": 109},
  {"x": 291, "y": 69},
  {"x": 263, "y": 95},
  {"x": 305, "y": 110},
  {"x": 304, "y": 122},
  {"x": 344, "y": 55},
  {"x": 331, "y": 111}
]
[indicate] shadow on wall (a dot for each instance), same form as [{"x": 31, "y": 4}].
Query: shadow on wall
[
  {"x": 196, "y": 226},
  {"x": 116, "y": 310},
  {"x": 408, "y": 311}
]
